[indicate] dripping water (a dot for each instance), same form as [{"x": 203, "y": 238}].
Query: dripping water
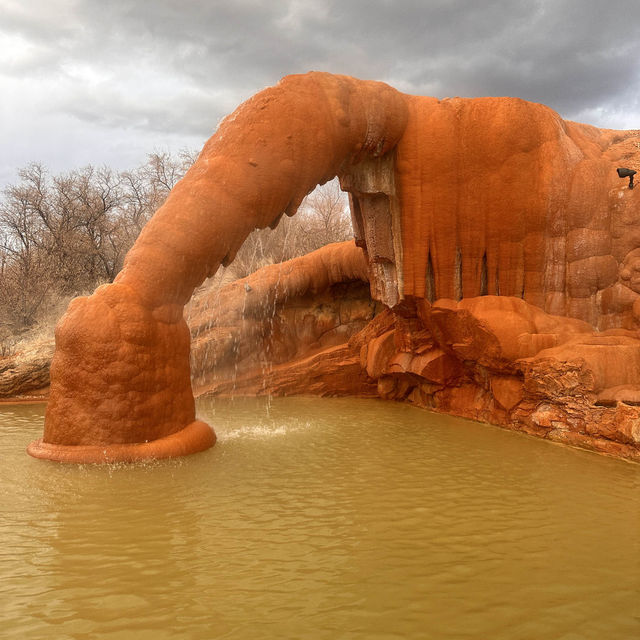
[{"x": 246, "y": 290}]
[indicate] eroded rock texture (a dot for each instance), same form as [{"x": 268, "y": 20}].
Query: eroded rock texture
[
  {"x": 25, "y": 373},
  {"x": 498, "y": 237},
  {"x": 247, "y": 336},
  {"x": 496, "y": 359},
  {"x": 500, "y": 196},
  {"x": 120, "y": 374}
]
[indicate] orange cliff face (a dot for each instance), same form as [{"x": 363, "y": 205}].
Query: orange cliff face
[
  {"x": 247, "y": 335},
  {"x": 498, "y": 196},
  {"x": 496, "y": 359},
  {"x": 450, "y": 199}
]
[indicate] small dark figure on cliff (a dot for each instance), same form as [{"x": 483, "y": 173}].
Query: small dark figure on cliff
[{"x": 627, "y": 173}]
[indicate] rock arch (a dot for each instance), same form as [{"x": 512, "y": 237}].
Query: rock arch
[
  {"x": 120, "y": 384},
  {"x": 452, "y": 200}
]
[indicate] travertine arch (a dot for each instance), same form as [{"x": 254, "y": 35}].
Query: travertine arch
[
  {"x": 120, "y": 383},
  {"x": 453, "y": 198}
]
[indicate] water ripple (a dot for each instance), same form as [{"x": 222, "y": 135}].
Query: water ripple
[{"x": 322, "y": 519}]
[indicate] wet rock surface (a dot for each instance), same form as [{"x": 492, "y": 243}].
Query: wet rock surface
[
  {"x": 121, "y": 371},
  {"x": 494, "y": 359},
  {"x": 285, "y": 327},
  {"x": 500, "y": 248}
]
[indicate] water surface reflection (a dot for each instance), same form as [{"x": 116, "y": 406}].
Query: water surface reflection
[{"x": 322, "y": 519}]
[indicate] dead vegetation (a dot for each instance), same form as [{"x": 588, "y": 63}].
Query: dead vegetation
[{"x": 62, "y": 235}]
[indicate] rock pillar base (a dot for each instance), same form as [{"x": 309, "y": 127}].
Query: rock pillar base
[{"x": 196, "y": 436}]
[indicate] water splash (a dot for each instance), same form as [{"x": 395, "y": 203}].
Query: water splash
[{"x": 262, "y": 431}]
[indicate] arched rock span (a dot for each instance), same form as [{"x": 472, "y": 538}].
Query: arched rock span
[
  {"x": 120, "y": 384},
  {"x": 455, "y": 201}
]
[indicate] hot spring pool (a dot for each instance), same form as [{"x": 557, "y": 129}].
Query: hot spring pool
[{"x": 316, "y": 518}]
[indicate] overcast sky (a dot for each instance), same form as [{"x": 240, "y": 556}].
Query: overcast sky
[{"x": 108, "y": 81}]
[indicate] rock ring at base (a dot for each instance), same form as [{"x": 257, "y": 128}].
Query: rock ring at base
[{"x": 196, "y": 436}]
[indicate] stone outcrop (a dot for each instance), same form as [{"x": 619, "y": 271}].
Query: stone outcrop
[
  {"x": 247, "y": 334},
  {"x": 462, "y": 206},
  {"x": 25, "y": 373},
  {"x": 495, "y": 359},
  {"x": 498, "y": 196},
  {"x": 120, "y": 374}
]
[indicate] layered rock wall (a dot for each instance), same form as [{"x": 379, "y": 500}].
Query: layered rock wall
[
  {"x": 285, "y": 325},
  {"x": 495, "y": 359}
]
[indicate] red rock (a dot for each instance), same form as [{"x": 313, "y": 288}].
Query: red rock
[
  {"x": 332, "y": 372},
  {"x": 381, "y": 323},
  {"x": 436, "y": 366},
  {"x": 234, "y": 339},
  {"x": 498, "y": 235},
  {"x": 379, "y": 353},
  {"x": 130, "y": 335},
  {"x": 507, "y": 390}
]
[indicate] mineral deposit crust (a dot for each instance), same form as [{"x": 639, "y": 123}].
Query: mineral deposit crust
[
  {"x": 461, "y": 206},
  {"x": 494, "y": 359}
]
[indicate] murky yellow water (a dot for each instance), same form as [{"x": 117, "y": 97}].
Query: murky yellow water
[{"x": 322, "y": 519}]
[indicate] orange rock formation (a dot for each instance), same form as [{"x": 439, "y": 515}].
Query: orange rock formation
[
  {"x": 495, "y": 359},
  {"x": 456, "y": 202},
  {"x": 506, "y": 198},
  {"x": 120, "y": 373},
  {"x": 285, "y": 328}
]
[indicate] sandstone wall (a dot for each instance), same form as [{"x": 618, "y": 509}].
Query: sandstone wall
[
  {"x": 495, "y": 359},
  {"x": 247, "y": 335}
]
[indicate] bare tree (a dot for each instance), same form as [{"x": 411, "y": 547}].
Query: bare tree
[
  {"x": 323, "y": 217},
  {"x": 62, "y": 235}
]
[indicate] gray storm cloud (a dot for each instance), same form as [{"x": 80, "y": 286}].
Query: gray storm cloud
[{"x": 105, "y": 82}]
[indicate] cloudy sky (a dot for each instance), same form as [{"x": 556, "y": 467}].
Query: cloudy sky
[{"x": 108, "y": 81}]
